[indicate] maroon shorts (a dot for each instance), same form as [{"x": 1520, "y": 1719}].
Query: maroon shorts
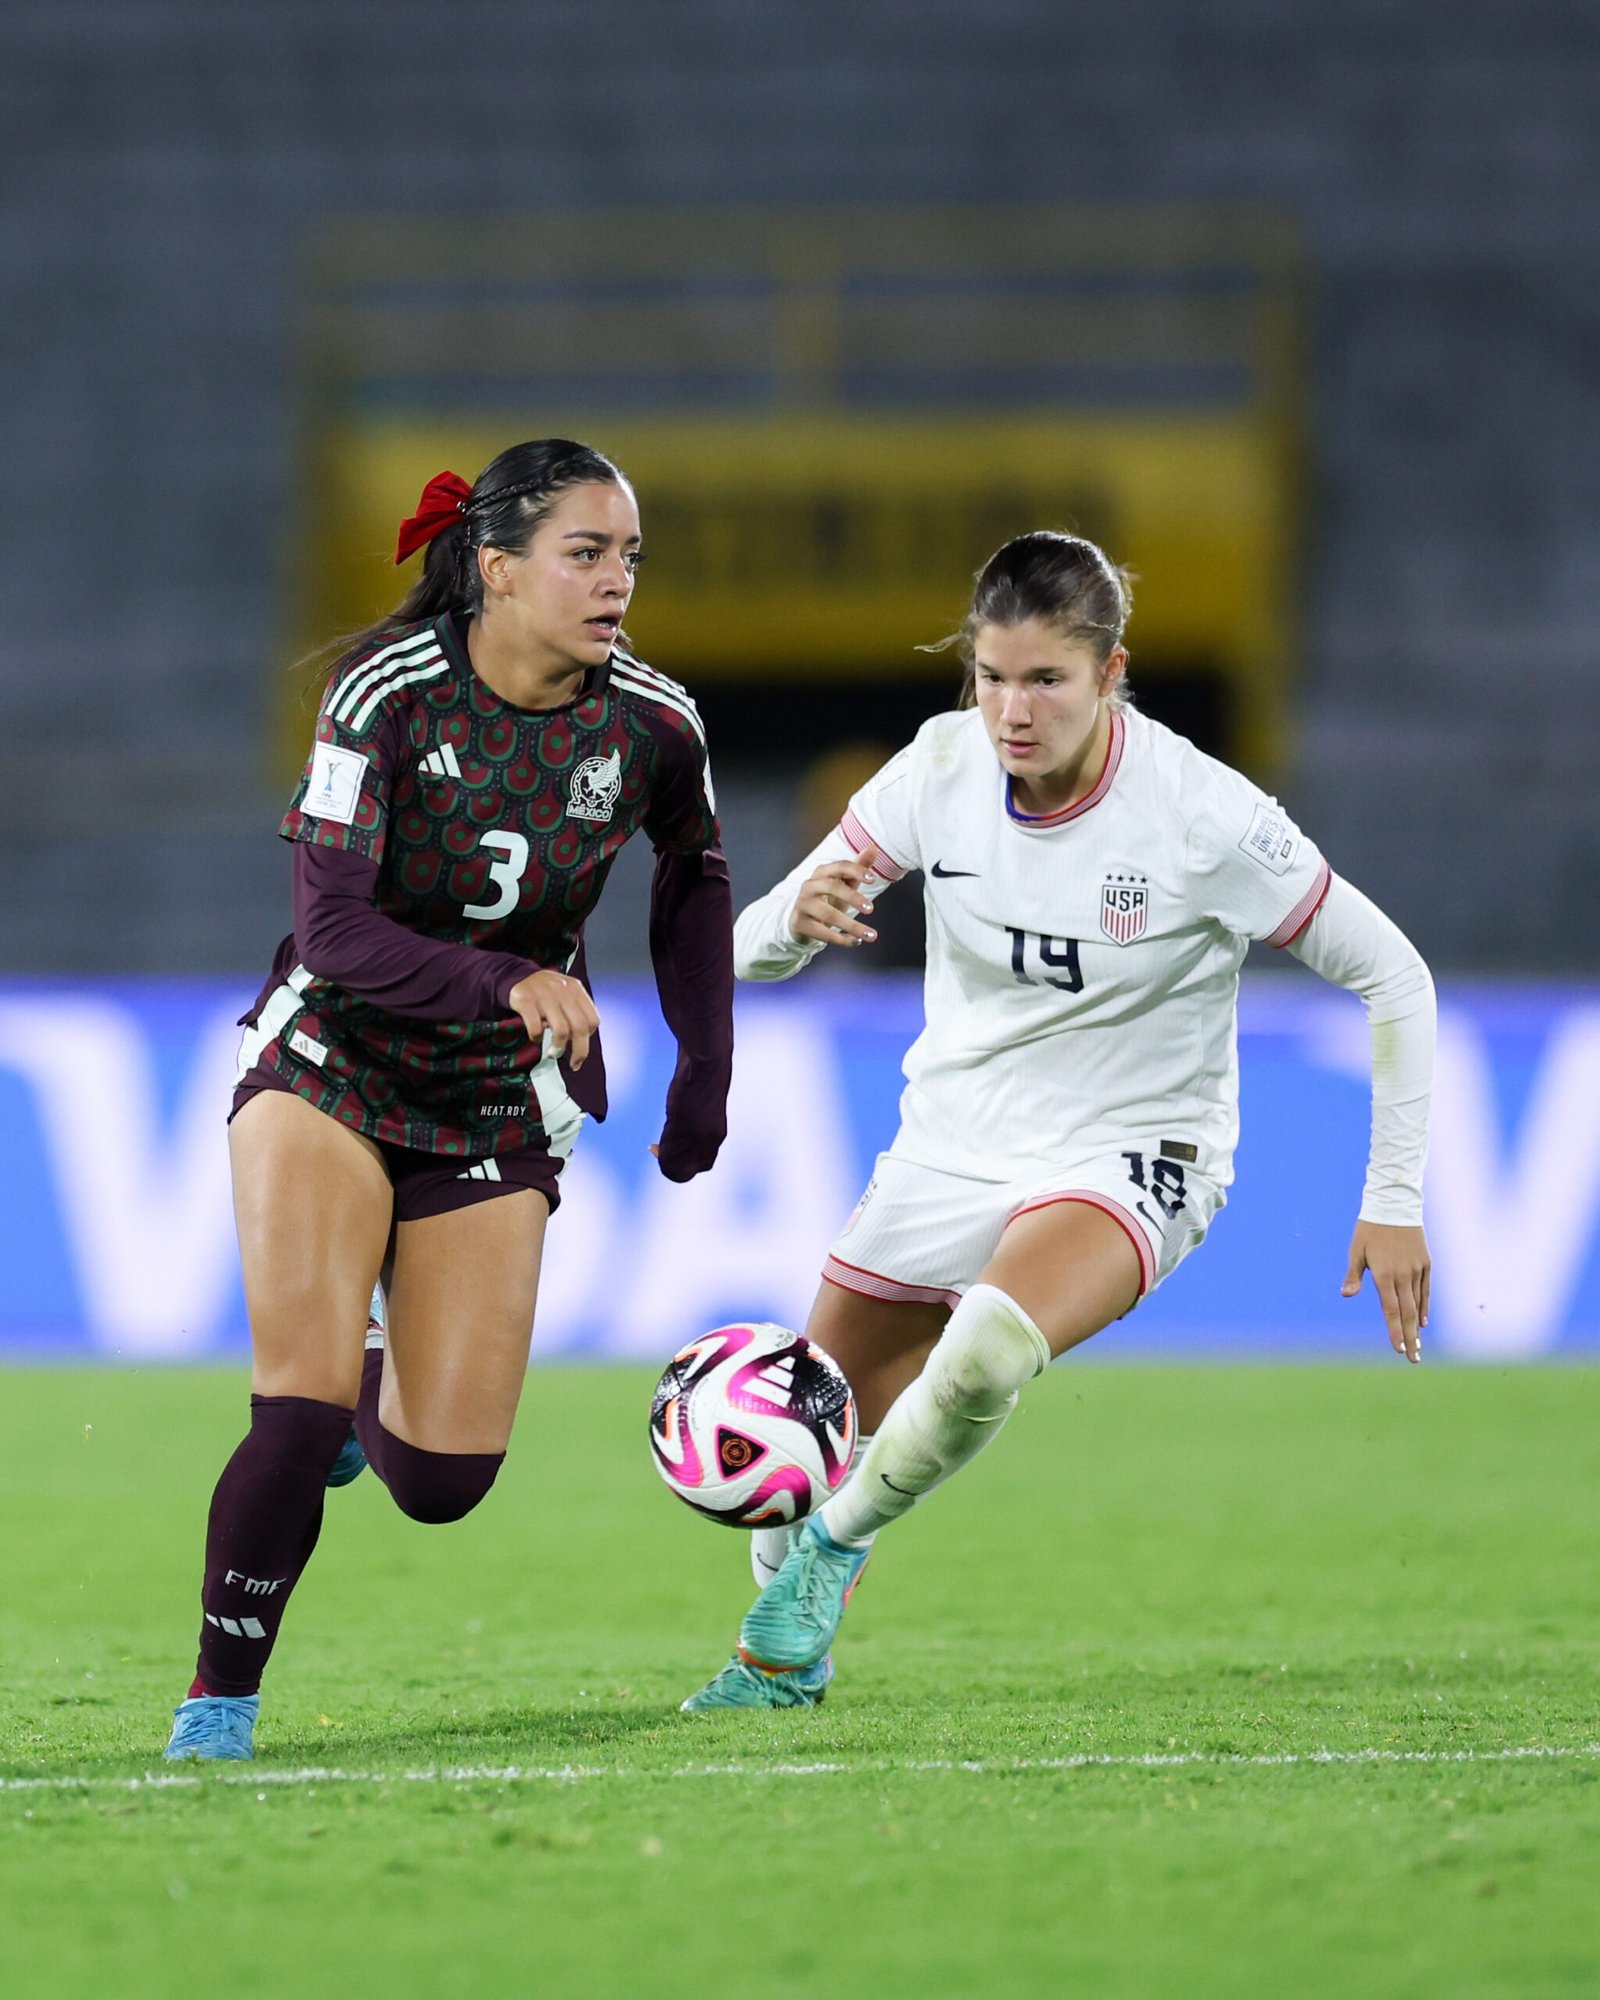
[{"x": 435, "y": 1183}]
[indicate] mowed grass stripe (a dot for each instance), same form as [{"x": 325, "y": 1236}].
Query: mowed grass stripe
[{"x": 568, "y": 1774}]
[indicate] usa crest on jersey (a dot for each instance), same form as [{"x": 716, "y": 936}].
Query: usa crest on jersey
[{"x": 1124, "y": 907}]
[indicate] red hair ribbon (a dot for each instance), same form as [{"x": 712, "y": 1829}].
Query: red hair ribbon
[{"x": 443, "y": 502}]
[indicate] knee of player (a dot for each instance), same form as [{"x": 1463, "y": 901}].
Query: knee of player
[
  {"x": 989, "y": 1349},
  {"x": 437, "y": 1487}
]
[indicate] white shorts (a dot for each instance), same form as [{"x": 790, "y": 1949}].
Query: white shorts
[{"x": 921, "y": 1234}]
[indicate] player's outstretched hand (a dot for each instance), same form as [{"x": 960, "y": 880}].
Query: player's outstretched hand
[
  {"x": 829, "y": 906},
  {"x": 552, "y": 1000},
  {"x": 1401, "y": 1269}
]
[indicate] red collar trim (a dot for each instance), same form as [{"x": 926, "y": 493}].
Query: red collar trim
[{"x": 1101, "y": 786}]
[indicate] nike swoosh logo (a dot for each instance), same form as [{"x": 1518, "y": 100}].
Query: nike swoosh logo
[
  {"x": 897, "y": 1489},
  {"x": 944, "y": 874}
]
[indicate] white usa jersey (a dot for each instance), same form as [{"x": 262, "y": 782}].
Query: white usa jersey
[{"x": 1082, "y": 968}]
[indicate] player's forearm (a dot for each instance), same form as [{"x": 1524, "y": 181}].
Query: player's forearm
[
  {"x": 1352, "y": 943},
  {"x": 343, "y": 937},
  {"x": 691, "y": 924}
]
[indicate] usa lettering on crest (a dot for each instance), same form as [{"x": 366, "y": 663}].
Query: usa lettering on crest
[{"x": 1124, "y": 907}]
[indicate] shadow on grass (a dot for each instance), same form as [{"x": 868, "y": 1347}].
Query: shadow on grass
[{"x": 489, "y": 1735}]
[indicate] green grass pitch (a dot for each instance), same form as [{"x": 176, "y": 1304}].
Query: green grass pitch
[{"x": 1202, "y": 1681}]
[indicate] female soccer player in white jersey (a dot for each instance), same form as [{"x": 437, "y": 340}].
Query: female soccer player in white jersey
[
  {"x": 424, "y": 1050},
  {"x": 1092, "y": 883}
]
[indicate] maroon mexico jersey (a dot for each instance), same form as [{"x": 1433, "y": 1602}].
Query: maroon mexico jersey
[{"x": 491, "y": 826}]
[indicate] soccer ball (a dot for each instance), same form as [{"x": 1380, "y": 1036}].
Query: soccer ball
[{"x": 753, "y": 1425}]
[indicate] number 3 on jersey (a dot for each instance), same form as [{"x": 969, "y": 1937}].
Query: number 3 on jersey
[{"x": 506, "y": 875}]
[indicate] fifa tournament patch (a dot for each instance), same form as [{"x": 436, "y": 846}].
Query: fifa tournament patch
[
  {"x": 334, "y": 788},
  {"x": 1271, "y": 840},
  {"x": 1124, "y": 906}
]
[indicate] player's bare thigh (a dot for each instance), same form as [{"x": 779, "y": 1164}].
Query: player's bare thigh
[
  {"x": 312, "y": 1204},
  {"x": 880, "y": 1344},
  {"x": 461, "y": 1302},
  {"x": 1070, "y": 1267}
]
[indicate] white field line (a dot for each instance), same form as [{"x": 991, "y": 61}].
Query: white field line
[{"x": 986, "y": 1767}]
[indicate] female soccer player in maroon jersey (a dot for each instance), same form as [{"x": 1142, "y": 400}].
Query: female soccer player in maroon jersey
[{"x": 417, "y": 1065}]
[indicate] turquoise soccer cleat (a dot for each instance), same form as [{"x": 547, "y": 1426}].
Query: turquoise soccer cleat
[
  {"x": 351, "y": 1462},
  {"x": 214, "y": 1726},
  {"x": 742, "y": 1686},
  {"x": 792, "y": 1623}
]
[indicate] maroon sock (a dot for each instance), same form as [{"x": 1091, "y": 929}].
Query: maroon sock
[
  {"x": 432, "y": 1486},
  {"x": 369, "y": 1432},
  {"x": 266, "y": 1515}
]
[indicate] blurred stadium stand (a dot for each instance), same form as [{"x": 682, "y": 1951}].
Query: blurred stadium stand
[
  {"x": 833, "y": 416},
  {"x": 169, "y": 172}
]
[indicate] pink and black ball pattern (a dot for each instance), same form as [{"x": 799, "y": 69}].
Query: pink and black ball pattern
[{"x": 753, "y": 1425}]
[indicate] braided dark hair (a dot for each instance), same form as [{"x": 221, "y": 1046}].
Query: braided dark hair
[{"x": 509, "y": 498}]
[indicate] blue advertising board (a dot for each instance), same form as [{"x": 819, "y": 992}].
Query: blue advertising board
[{"x": 116, "y": 1230}]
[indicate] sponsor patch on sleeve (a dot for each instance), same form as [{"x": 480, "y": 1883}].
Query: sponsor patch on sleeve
[
  {"x": 335, "y": 784},
  {"x": 1271, "y": 840}
]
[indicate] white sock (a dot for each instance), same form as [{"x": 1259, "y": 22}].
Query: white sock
[
  {"x": 769, "y": 1546},
  {"x": 988, "y": 1350}
]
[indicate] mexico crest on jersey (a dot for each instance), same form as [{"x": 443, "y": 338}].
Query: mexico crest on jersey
[
  {"x": 1124, "y": 907},
  {"x": 595, "y": 785}
]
